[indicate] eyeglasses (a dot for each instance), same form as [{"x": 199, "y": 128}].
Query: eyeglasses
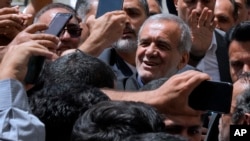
[{"x": 73, "y": 30}]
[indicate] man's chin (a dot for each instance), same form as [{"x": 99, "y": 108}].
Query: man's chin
[
  {"x": 126, "y": 45},
  {"x": 147, "y": 77}
]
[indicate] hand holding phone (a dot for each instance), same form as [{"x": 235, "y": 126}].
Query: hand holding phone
[
  {"x": 36, "y": 63},
  {"x": 105, "y": 6},
  {"x": 212, "y": 96}
]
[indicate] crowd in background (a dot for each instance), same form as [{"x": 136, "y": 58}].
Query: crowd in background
[{"x": 126, "y": 75}]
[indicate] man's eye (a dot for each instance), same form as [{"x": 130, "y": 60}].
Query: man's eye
[
  {"x": 133, "y": 13},
  {"x": 223, "y": 19},
  {"x": 189, "y": 1},
  {"x": 173, "y": 129},
  {"x": 194, "y": 131},
  {"x": 236, "y": 64},
  {"x": 144, "y": 43}
]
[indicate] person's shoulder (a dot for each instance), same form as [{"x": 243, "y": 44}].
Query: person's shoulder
[
  {"x": 106, "y": 55},
  {"x": 127, "y": 83},
  {"x": 186, "y": 68}
]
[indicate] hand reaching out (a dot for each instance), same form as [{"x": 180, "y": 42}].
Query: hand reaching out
[{"x": 202, "y": 27}]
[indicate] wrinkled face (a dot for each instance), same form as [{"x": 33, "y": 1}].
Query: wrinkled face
[
  {"x": 242, "y": 10},
  {"x": 136, "y": 16},
  {"x": 185, "y": 7},
  {"x": 186, "y": 126},
  {"x": 239, "y": 58},
  {"x": 154, "y": 7},
  {"x": 67, "y": 40},
  {"x": 5, "y": 3},
  {"x": 157, "y": 54},
  {"x": 225, "y": 120},
  {"x": 223, "y": 13}
]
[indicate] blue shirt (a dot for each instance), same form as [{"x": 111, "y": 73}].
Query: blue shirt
[{"x": 17, "y": 123}]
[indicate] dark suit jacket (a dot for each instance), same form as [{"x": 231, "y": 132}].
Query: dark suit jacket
[
  {"x": 223, "y": 64},
  {"x": 111, "y": 58},
  {"x": 222, "y": 56},
  {"x": 128, "y": 83},
  {"x": 171, "y": 7}
]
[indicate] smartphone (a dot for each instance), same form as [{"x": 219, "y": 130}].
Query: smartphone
[
  {"x": 105, "y": 6},
  {"x": 212, "y": 96},
  {"x": 35, "y": 64}
]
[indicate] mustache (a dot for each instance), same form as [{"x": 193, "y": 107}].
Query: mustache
[{"x": 129, "y": 29}]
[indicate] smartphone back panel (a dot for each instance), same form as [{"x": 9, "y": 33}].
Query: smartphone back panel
[
  {"x": 212, "y": 96},
  {"x": 105, "y": 6}
]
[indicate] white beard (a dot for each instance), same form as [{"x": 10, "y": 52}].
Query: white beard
[{"x": 126, "y": 45}]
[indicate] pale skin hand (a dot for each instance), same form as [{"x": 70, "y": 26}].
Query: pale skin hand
[
  {"x": 29, "y": 33},
  {"x": 202, "y": 28},
  {"x": 12, "y": 21},
  {"x": 104, "y": 31},
  {"x": 34, "y": 6},
  {"x": 171, "y": 97},
  {"x": 15, "y": 60}
]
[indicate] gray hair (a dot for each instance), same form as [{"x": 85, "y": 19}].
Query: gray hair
[
  {"x": 83, "y": 7},
  {"x": 145, "y": 6},
  {"x": 185, "y": 42},
  {"x": 53, "y": 6}
]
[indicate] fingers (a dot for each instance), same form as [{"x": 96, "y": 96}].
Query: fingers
[
  {"x": 177, "y": 90},
  {"x": 193, "y": 19},
  {"x": 31, "y": 48},
  {"x": 194, "y": 78},
  {"x": 9, "y": 25},
  {"x": 206, "y": 19},
  {"x": 15, "y": 60},
  {"x": 35, "y": 28},
  {"x": 13, "y": 17},
  {"x": 8, "y": 10},
  {"x": 43, "y": 36},
  {"x": 113, "y": 19}
]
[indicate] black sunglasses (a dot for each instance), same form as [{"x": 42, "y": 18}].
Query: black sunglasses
[{"x": 73, "y": 30}]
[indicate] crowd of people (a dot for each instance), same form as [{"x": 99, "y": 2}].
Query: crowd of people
[{"x": 124, "y": 76}]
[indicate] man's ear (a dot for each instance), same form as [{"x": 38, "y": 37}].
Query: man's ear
[
  {"x": 247, "y": 118},
  {"x": 184, "y": 60},
  {"x": 175, "y": 3},
  {"x": 248, "y": 14}
]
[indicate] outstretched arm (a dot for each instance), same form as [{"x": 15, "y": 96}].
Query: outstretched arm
[
  {"x": 171, "y": 97},
  {"x": 16, "y": 120}
]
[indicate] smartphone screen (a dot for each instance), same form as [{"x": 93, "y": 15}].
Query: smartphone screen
[
  {"x": 212, "y": 96},
  {"x": 105, "y": 6},
  {"x": 35, "y": 64}
]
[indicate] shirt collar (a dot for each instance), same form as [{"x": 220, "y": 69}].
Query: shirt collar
[{"x": 213, "y": 45}]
